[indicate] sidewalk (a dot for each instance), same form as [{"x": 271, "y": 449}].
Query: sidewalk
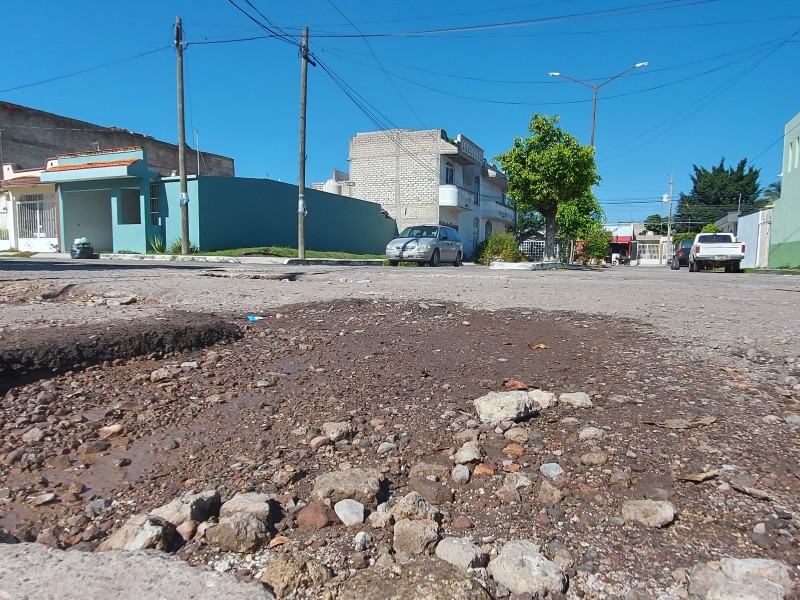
[{"x": 268, "y": 260}]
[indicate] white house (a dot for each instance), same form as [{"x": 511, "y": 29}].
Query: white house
[
  {"x": 423, "y": 176},
  {"x": 28, "y": 210}
]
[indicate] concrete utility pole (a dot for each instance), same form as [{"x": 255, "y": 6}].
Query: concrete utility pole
[
  {"x": 182, "y": 141},
  {"x": 197, "y": 147},
  {"x": 668, "y": 198},
  {"x": 301, "y": 178}
]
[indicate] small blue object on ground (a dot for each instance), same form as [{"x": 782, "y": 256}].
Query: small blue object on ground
[{"x": 253, "y": 318}]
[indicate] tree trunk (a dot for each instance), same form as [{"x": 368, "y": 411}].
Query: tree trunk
[{"x": 550, "y": 230}]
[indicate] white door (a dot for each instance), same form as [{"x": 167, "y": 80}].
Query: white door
[{"x": 36, "y": 218}]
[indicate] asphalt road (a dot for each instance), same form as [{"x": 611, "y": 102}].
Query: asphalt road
[{"x": 714, "y": 310}]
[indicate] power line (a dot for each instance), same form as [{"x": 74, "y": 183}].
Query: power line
[
  {"x": 549, "y": 81},
  {"x": 701, "y": 103},
  {"x": 636, "y": 9},
  {"x": 360, "y": 102},
  {"x": 780, "y": 139},
  {"x": 88, "y": 70},
  {"x": 275, "y": 32},
  {"x": 557, "y": 103},
  {"x": 377, "y": 60}
]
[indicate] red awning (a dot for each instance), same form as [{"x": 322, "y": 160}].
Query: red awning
[{"x": 622, "y": 239}]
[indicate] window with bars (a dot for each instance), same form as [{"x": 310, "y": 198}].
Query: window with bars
[{"x": 154, "y": 204}]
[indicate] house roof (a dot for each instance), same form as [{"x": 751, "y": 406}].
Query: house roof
[
  {"x": 100, "y": 152},
  {"x": 27, "y": 180},
  {"x": 93, "y": 165}
]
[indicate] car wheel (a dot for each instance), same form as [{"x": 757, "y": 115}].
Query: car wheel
[
  {"x": 692, "y": 267},
  {"x": 736, "y": 267},
  {"x": 675, "y": 264},
  {"x": 394, "y": 263},
  {"x": 457, "y": 261},
  {"x": 434, "y": 262}
]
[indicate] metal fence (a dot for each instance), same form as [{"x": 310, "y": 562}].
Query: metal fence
[{"x": 534, "y": 249}]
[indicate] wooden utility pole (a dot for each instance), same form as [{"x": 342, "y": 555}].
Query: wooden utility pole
[
  {"x": 301, "y": 178},
  {"x": 182, "y": 141}
]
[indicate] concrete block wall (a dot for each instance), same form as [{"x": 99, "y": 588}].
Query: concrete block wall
[
  {"x": 32, "y": 136},
  {"x": 376, "y": 159}
]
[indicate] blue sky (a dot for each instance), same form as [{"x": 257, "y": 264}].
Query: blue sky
[{"x": 721, "y": 79}]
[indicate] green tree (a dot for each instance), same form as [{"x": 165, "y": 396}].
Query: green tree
[
  {"x": 657, "y": 224},
  {"x": 575, "y": 218},
  {"x": 716, "y": 193},
  {"x": 771, "y": 193},
  {"x": 529, "y": 224},
  {"x": 548, "y": 169},
  {"x": 597, "y": 242}
]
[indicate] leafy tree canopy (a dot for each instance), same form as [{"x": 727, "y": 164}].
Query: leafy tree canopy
[
  {"x": 548, "y": 169},
  {"x": 657, "y": 224},
  {"x": 715, "y": 193},
  {"x": 576, "y": 218},
  {"x": 529, "y": 223},
  {"x": 771, "y": 193},
  {"x": 597, "y": 242}
]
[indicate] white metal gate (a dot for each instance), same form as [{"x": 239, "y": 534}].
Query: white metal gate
[{"x": 36, "y": 218}]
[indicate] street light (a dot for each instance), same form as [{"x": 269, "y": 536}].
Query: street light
[{"x": 597, "y": 87}]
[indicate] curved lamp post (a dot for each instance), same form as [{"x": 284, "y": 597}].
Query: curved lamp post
[{"x": 597, "y": 87}]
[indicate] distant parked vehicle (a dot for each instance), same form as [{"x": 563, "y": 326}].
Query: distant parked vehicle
[
  {"x": 680, "y": 257},
  {"x": 711, "y": 250},
  {"x": 426, "y": 244}
]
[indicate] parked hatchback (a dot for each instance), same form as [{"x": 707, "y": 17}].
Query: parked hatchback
[
  {"x": 681, "y": 256},
  {"x": 426, "y": 244}
]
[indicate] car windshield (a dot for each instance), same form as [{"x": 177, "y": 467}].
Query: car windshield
[
  {"x": 687, "y": 243},
  {"x": 419, "y": 231}
]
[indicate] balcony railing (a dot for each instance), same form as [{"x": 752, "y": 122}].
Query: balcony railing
[
  {"x": 456, "y": 197},
  {"x": 492, "y": 209}
]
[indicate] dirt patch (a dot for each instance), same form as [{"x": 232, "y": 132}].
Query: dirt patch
[
  {"x": 36, "y": 353},
  {"x": 241, "y": 416}
]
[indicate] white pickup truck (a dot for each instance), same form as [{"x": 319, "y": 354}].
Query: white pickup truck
[{"x": 711, "y": 250}]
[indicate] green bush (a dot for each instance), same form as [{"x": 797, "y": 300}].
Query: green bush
[
  {"x": 679, "y": 237},
  {"x": 157, "y": 245},
  {"x": 597, "y": 243},
  {"x": 499, "y": 246},
  {"x": 710, "y": 228},
  {"x": 176, "y": 246}
]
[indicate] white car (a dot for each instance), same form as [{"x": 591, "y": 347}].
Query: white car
[{"x": 426, "y": 244}]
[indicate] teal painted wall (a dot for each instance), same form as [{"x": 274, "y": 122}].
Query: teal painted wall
[
  {"x": 227, "y": 212},
  {"x": 784, "y": 246},
  {"x": 172, "y": 218},
  {"x": 91, "y": 209}
]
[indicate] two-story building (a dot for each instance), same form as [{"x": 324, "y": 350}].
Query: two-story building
[
  {"x": 784, "y": 245},
  {"x": 424, "y": 176}
]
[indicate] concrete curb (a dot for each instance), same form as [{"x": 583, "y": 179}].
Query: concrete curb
[{"x": 526, "y": 266}]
